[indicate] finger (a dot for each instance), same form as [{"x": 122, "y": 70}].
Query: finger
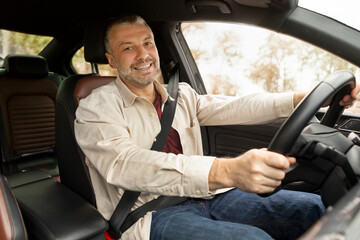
[
  {"x": 272, "y": 183},
  {"x": 292, "y": 160},
  {"x": 263, "y": 189},
  {"x": 277, "y": 160},
  {"x": 277, "y": 174},
  {"x": 355, "y": 91},
  {"x": 347, "y": 98},
  {"x": 347, "y": 101},
  {"x": 350, "y": 98},
  {"x": 272, "y": 174},
  {"x": 348, "y": 105},
  {"x": 261, "y": 185}
]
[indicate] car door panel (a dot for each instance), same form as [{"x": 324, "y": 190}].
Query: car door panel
[{"x": 235, "y": 139}]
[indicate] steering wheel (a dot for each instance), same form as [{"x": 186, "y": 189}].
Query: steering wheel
[{"x": 292, "y": 138}]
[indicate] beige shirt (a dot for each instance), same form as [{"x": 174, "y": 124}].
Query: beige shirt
[{"x": 116, "y": 129}]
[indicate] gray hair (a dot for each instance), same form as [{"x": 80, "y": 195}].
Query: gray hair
[{"x": 120, "y": 22}]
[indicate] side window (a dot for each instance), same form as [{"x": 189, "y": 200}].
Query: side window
[
  {"x": 106, "y": 70},
  {"x": 81, "y": 66},
  {"x": 79, "y": 63},
  {"x": 21, "y": 43},
  {"x": 238, "y": 59}
]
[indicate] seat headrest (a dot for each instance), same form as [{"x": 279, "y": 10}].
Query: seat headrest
[
  {"x": 94, "y": 47},
  {"x": 29, "y": 66}
]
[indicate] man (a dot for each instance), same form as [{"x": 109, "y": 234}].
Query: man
[{"x": 117, "y": 124}]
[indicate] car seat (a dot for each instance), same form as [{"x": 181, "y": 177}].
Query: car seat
[
  {"x": 73, "y": 170},
  {"x": 12, "y": 226},
  {"x": 27, "y": 123}
]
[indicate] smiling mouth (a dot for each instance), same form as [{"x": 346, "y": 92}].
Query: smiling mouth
[{"x": 143, "y": 67}]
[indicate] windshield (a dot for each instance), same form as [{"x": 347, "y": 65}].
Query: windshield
[{"x": 345, "y": 11}]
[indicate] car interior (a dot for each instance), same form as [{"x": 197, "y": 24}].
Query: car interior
[
  {"x": 12, "y": 223},
  {"x": 28, "y": 114},
  {"x": 45, "y": 187}
]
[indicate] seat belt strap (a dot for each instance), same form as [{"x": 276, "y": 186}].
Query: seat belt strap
[
  {"x": 123, "y": 208},
  {"x": 154, "y": 205},
  {"x": 122, "y": 219},
  {"x": 168, "y": 113}
]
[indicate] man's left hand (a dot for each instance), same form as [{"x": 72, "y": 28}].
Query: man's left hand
[{"x": 349, "y": 100}]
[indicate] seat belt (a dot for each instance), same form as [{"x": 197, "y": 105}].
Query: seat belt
[{"x": 122, "y": 219}]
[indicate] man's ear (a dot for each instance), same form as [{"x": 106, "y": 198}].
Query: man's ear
[{"x": 110, "y": 60}]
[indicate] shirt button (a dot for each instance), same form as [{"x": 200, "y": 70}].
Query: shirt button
[{"x": 197, "y": 192}]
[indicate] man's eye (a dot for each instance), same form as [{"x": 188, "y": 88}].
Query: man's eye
[
  {"x": 128, "y": 48},
  {"x": 148, "y": 43}
]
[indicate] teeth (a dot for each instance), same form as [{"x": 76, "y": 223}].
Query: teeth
[{"x": 143, "y": 67}]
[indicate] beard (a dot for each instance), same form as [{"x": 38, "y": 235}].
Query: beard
[{"x": 127, "y": 75}]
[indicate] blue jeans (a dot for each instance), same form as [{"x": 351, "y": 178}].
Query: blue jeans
[{"x": 239, "y": 215}]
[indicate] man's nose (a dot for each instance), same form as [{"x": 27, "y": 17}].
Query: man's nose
[{"x": 142, "y": 53}]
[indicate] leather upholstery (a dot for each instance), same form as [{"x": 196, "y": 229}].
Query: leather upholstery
[
  {"x": 26, "y": 66},
  {"x": 27, "y": 102},
  {"x": 73, "y": 170},
  {"x": 52, "y": 211},
  {"x": 85, "y": 86},
  {"x": 28, "y": 110},
  {"x": 12, "y": 226}
]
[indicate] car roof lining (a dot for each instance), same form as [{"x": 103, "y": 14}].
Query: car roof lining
[
  {"x": 59, "y": 18},
  {"x": 323, "y": 32},
  {"x": 282, "y": 16}
]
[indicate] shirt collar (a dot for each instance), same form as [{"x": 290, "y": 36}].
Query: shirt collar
[{"x": 129, "y": 97}]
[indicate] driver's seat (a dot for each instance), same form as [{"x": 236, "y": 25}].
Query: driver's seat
[
  {"x": 73, "y": 170},
  {"x": 72, "y": 167}
]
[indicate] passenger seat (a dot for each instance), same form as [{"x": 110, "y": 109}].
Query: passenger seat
[{"x": 27, "y": 116}]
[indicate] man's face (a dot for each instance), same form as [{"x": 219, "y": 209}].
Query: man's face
[{"x": 134, "y": 54}]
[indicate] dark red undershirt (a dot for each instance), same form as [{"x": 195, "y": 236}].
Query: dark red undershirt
[{"x": 172, "y": 144}]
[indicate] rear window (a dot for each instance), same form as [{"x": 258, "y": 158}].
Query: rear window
[
  {"x": 21, "y": 43},
  {"x": 81, "y": 66}
]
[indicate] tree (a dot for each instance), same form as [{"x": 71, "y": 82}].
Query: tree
[
  {"x": 221, "y": 84},
  {"x": 228, "y": 48},
  {"x": 225, "y": 48},
  {"x": 273, "y": 67},
  {"x": 323, "y": 62}
]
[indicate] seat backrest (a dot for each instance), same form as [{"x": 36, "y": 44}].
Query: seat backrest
[
  {"x": 12, "y": 226},
  {"x": 73, "y": 170},
  {"x": 27, "y": 102}
]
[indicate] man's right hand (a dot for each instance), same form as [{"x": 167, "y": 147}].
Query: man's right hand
[{"x": 256, "y": 171}]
